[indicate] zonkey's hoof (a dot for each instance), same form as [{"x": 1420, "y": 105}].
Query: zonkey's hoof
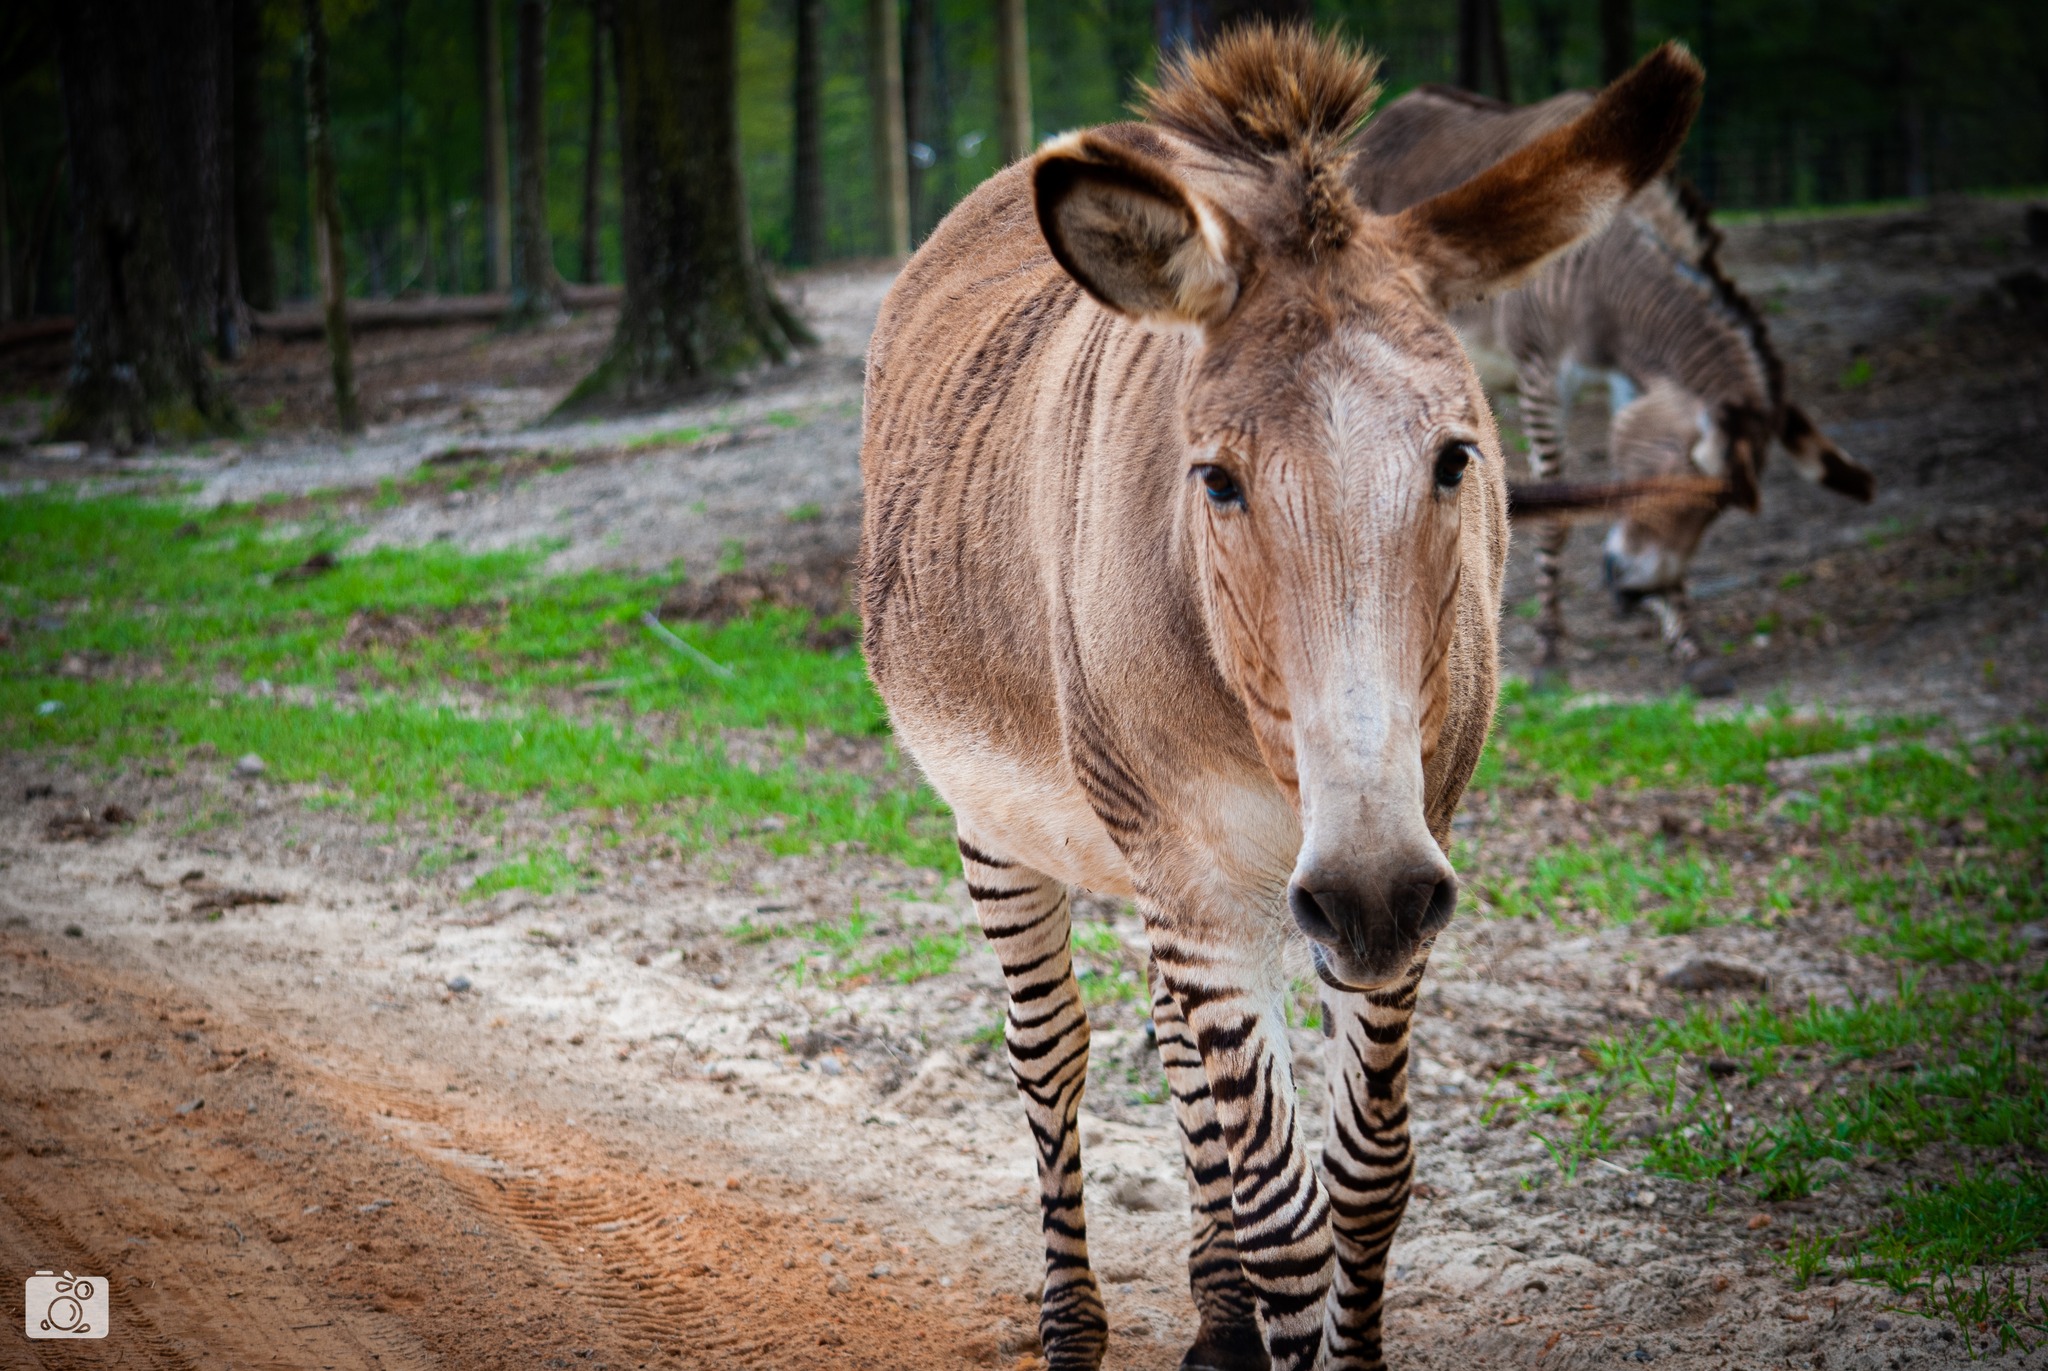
[{"x": 1227, "y": 1349}]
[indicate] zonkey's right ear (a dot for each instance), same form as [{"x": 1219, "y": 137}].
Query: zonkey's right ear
[
  {"x": 1498, "y": 227},
  {"x": 1135, "y": 238}
]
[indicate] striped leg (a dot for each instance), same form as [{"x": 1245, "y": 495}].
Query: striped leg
[
  {"x": 1279, "y": 1214},
  {"x": 1025, "y": 916},
  {"x": 1674, "y": 616},
  {"x": 1229, "y": 1338},
  {"x": 1543, "y": 413},
  {"x": 1367, "y": 1161}
]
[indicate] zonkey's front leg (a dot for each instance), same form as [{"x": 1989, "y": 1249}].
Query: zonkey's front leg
[
  {"x": 1229, "y": 1336},
  {"x": 1026, "y": 916},
  {"x": 1367, "y": 1160},
  {"x": 1279, "y": 1214}
]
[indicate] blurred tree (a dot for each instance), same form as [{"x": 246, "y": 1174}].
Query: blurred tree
[
  {"x": 593, "y": 156},
  {"x": 327, "y": 221},
  {"x": 697, "y": 308},
  {"x": 141, "y": 93},
  {"x": 497, "y": 184},
  {"x": 807, "y": 188},
  {"x": 1190, "y": 23},
  {"x": 1482, "y": 49},
  {"x": 1013, "y": 81},
  {"x": 536, "y": 285},
  {"x": 255, "y": 255},
  {"x": 889, "y": 139},
  {"x": 1617, "y": 38}
]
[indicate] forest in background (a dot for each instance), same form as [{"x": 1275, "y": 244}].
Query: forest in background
[{"x": 1809, "y": 102}]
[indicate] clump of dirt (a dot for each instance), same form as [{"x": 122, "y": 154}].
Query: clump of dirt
[
  {"x": 396, "y": 630},
  {"x": 819, "y": 579}
]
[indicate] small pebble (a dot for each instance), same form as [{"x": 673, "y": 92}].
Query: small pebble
[
  {"x": 458, "y": 984},
  {"x": 249, "y": 766},
  {"x": 880, "y": 1271},
  {"x": 1881, "y": 1325},
  {"x": 839, "y": 1285},
  {"x": 49, "y": 707},
  {"x": 831, "y": 1067}
]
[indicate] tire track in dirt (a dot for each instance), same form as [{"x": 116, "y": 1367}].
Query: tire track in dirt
[{"x": 256, "y": 1209}]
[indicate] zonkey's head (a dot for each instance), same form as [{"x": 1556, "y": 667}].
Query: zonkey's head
[
  {"x": 1339, "y": 449},
  {"x": 1668, "y": 430}
]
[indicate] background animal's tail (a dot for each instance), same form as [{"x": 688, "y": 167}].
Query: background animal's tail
[{"x": 1577, "y": 501}]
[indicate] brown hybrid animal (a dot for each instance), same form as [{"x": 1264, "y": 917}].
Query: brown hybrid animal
[
  {"x": 1181, "y": 572},
  {"x": 1694, "y": 384}
]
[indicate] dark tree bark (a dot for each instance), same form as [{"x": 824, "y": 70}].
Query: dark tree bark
[
  {"x": 887, "y": 133},
  {"x": 6, "y": 242},
  {"x": 593, "y": 154},
  {"x": 1482, "y": 49},
  {"x": 536, "y": 285},
  {"x": 917, "y": 121},
  {"x": 255, "y": 255},
  {"x": 497, "y": 185},
  {"x": 1617, "y": 38},
  {"x": 327, "y": 221},
  {"x": 807, "y": 180},
  {"x": 1550, "y": 18},
  {"x": 40, "y": 229},
  {"x": 140, "y": 101},
  {"x": 1013, "y": 80},
  {"x": 697, "y": 308},
  {"x": 1190, "y": 23},
  {"x": 395, "y": 236}
]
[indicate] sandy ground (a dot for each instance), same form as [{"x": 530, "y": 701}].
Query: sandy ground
[{"x": 374, "y": 1124}]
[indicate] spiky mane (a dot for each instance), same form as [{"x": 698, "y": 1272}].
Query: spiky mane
[
  {"x": 1684, "y": 221},
  {"x": 1279, "y": 94}
]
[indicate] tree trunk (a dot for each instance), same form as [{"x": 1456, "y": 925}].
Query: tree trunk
[
  {"x": 40, "y": 229},
  {"x": 401, "y": 276},
  {"x": 697, "y": 307},
  {"x": 497, "y": 187},
  {"x": 917, "y": 82},
  {"x": 593, "y": 155},
  {"x": 327, "y": 222},
  {"x": 807, "y": 182},
  {"x": 6, "y": 245},
  {"x": 1191, "y": 23},
  {"x": 885, "y": 103},
  {"x": 131, "y": 104},
  {"x": 1013, "y": 80},
  {"x": 255, "y": 256},
  {"x": 1482, "y": 49},
  {"x": 536, "y": 285},
  {"x": 1617, "y": 38}
]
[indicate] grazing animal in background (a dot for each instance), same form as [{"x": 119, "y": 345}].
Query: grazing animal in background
[
  {"x": 1181, "y": 570},
  {"x": 1694, "y": 385}
]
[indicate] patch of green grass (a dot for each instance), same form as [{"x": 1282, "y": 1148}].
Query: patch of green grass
[
  {"x": 807, "y": 513},
  {"x": 545, "y": 872},
  {"x": 926, "y": 955},
  {"x": 1616, "y": 881},
  {"x": 424, "y": 679},
  {"x": 1857, "y": 374},
  {"x": 1542, "y": 738},
  {"x": 668, "y": 437}
]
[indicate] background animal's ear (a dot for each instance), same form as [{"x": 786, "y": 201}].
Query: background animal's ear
[
  {"x": 1495, "y": 229},
  {"x": 1820, "y": 461},
  {"x": 1134, "y": 237}
]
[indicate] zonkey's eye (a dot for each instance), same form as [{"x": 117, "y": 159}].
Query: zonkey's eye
[
  {"x": 1221, "y": 486},
  {"x": 1451, "y": 464}
]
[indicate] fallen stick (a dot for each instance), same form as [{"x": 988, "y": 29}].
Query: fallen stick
[{"x": 661, "y": 631}]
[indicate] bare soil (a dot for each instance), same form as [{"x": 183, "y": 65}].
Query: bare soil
[{"x": 377, "y": 1123}]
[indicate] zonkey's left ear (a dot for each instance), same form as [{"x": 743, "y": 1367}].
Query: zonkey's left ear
[
  {"x": 1133, "y": 236},
  {"x": 1820, "y": 461},
  {"x": 1504, "y": 223}
]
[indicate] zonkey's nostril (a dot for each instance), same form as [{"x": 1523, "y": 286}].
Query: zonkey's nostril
[{"x": 1309, "y": 914}]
